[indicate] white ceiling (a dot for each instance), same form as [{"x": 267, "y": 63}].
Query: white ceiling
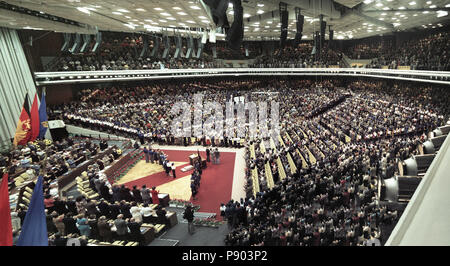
[{"x": 145, "y": 15}]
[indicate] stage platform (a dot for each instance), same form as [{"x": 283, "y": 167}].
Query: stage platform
[{"x": 215, "y": 187}]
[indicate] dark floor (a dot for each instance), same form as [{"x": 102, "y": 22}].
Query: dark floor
[{"x": 203, "y": 236}]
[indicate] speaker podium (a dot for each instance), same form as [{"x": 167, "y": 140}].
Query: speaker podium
[{"x": 193, "y": 158}]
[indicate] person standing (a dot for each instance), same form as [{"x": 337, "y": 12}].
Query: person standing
[
  {"x": 135, "y": 231},
  {"x": 115, "y": 192},
  {"x": 136, "y": 213},
  {"x": 222, "y": 211},
  {"x": 70, "y": 224},
  {"x": 161, "y": 213},
  {"x": 155, "y": 155},
  {"x": 141, "y": 137},
  {"x": 217, "y": 155},
  {"x": 189, "y": 216},
  {"x": 151, "y": 155},
  {"x": 193, "y": 190},
  {"x": 121, "y": 227},
  {"x": 83, "y": 226},
  {"x": 173, "y": 171},
  {"x": 145, "y": 194},
  {"x": 168, "y": 167},
  {"x": 59, "y": 224},
  {"x": 104, "y": 229},
  {"x": 146, "y": 154},
  {"x": 208, "y": 152},
  {"x": 49, "y": 203},
  {"x": 155, "y": 198},
  {"x": 136, "y": 194},
  {"x": 103, "y": 208}
]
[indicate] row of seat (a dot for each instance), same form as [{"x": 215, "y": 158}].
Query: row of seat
[
  {"x": 304, "y": 163},
  {"x": 84, "y": 188},
  {"x": 134, "y": 158},
  {"x": 115, "y": 243},
  {"x": 26, "y": 198},
  {"x": 254, "y": 172},
  {"x": 267, "y": 169},
  {"x": 291, "y": 163},
  {"x": 281, "y": 171}
]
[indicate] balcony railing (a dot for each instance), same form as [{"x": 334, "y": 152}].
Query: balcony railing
[{"x": 73, "y": 77}]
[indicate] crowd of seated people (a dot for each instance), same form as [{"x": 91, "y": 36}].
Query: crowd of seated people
[
  {"x": 53, "y": 160},
  {"x": 427, "y": 53},
  {"x": 369, "y": 49},
  {"x": 116, "y": 215},
  {"x": 56, "y": 159},
  {"x": 115, "y": 53},
  {"x": 332, "y": 199},
  {"x": 299, "y": 57},
  {"x": 318, "y": 184},
  {"x": 123, "y": 52},
  {"x": 100, "y": 218},
  {"x": 224, "y": 52},
  {"x": 144, "y": 111}
]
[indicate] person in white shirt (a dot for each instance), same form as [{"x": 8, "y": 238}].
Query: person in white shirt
[
  {"x": 173, "y": 170},
  {"x": 169, "y": 168},
  {"x": 372, "y": 241},
  {"x": 136, "y": 214}
]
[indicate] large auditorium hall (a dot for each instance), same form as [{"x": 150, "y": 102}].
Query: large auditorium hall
[{"x": 220, "y": 129}]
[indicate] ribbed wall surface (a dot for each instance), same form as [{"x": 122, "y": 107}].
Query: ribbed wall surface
[{"x": 15, "y": 81}]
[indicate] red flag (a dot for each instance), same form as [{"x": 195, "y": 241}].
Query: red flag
[
  {"x": 6, "y": 238},
  {"x": 23, "y": 130},
  {"x": 34, "y": 119}
]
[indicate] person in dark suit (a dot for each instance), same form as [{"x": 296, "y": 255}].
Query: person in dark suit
[
  {"x": 71, "y": 205},
  {"x": 189, "y": 216},
  {"x": 21, "y": 214},
  {"x": 104, "y": 192},
  {"x": 59, "y": 241},
  {"x": 151, "y": 155},
  {"x": 103, "y": 208},
  {"x": 125, "y": 209},
  {"x": 91, "y": 208},
  {"x": 104, "y": 229},
  {"x": 136, "y": 145},
  {"x": 70, "y": 224},
  {"x": 242, "y": 215},
  {"x": 51, "y": 228},
  {"x": 208, "y": 153},
  {"x": 101, "y": 165},
  {"x": 137, "y": 194},
  {"x": 135, "y": 231},
  {"x": 193, "y": 190},
  {"x": 162, "y": 219},
  {"x": 125, "y": 193},
  {"x": 92, "y": 222},
  {"x": 60, "y": 206},
  {"x": 114, "y": 210},
  {"x": 146, "y": 154}
]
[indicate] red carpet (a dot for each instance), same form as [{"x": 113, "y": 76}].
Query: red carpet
[{"x": 215, "y": 185}]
